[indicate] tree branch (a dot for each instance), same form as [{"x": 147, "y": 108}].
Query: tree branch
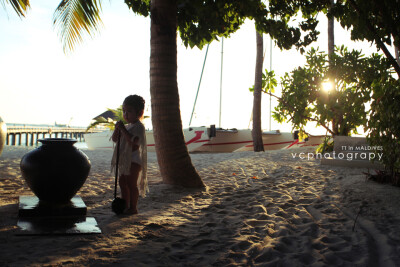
[
  {"x": 378, "y": 40},
  {"x": 290, "y": 107}
]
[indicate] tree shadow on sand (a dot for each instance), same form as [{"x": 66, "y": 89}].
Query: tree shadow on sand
[{"x": 251, "y": 214}]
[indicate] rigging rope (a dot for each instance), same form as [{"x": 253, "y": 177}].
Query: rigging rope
[{"x": 198, "y": 87}]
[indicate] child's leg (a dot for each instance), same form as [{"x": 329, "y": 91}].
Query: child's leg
[
  {"x": 133, "y": 189},
  {"x": 123, "y": 184}
]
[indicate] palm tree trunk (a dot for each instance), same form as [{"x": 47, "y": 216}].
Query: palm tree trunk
[
  {"x": 257, "y": 132},
  {"x": 173, "y": 158}
]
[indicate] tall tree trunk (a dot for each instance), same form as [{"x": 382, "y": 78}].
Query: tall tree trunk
[
  {"x": 173, "y": 158},
  {"x": 397, "y": 54},
  {"x": 257, "y": 132},
  {"x": 331, "y": 51},
  {"x": 331, "y": 32}
]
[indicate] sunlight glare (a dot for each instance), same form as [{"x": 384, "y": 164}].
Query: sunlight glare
[{"x": 327, "y": 86}]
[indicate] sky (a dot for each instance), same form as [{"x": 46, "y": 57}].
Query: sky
[{"x": 40, "y": 84}]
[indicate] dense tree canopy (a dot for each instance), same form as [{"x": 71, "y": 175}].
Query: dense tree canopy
[
  {"x": 375, "y": 21},
  {"x": 359, "y": 15},
  {"x": 202, "y": 21}
]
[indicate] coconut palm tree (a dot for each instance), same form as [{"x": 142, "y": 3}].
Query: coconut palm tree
[
  {"x": 172, "y": 154},
  {"x": 20, "y": 6},
  {"x": 75, "y": 16}
]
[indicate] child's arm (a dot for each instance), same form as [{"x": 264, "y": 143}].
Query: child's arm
[
  {"x": 115, "y": 135},
  {"x": 135, "y": 145},
  {"x": 120, "y": 127}
]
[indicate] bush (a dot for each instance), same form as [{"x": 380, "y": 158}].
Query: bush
[
  {"x": 384, "y": 124},
  {"x": 326, "y": 145},
  {"x": 341, "y": 110}
]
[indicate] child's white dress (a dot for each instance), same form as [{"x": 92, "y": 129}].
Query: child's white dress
[{"x": 127, "y": 156}]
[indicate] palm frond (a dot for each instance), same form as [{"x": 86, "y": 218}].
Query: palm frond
[
  {"x": 74, "y": 17},
  {"x": 20, "y": 6},
  {"x": 103, "y": 122},
  {"x": 109, "y": 123},
  {"x": 118, "y": 113}
]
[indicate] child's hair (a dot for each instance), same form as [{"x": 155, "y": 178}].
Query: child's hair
[{"x": 135, "y": 101}]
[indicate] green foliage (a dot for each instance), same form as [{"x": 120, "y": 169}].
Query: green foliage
[
  {"x": 20, "y": 6},
  {"x": 375, "y": 21},
  {"x": 202, "y": 21},
  {"x": 268, "y": 82},
  {"x": 325, "y": 146},
  {"x": 384, "y": 123},
  {"x": 74, "y": 16},
  {"x": 339, "y": 111},
  {"x": 382, "y": 15},
  {"x": 141, "y": 7},
  {"x": 284, "y": 14},
  {"x": 109, "y": 123},
  {"x": 199, "y": 22}
]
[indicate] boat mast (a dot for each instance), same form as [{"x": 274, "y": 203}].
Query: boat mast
[
  {"x": 198, "y": 87},
  {"x": 220, "y": 81},
  {"x": 270, "y": 69}
]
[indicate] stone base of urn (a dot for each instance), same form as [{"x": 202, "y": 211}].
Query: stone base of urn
[
  {"x": 31, "y": 206},
  {"x": 38, "y": 218}
]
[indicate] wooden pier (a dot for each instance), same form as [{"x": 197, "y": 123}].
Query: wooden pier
[{"x": 32, "y": 134}]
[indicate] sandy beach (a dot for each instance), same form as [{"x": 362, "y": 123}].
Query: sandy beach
[{"x": 259, "y": 209}]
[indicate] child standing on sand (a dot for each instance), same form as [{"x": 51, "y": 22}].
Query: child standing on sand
[{"x": 132, "y": 165}]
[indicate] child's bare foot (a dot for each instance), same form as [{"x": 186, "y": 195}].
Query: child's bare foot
[{"x": 131, "y": 211}]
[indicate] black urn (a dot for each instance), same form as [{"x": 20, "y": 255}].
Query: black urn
[{"x": 56, "y": 170}]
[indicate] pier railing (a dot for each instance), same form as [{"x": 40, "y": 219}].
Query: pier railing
[{"x": 17, "y": 134}]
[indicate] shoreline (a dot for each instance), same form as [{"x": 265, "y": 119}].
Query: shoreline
[{"x": 259, "y": 209}]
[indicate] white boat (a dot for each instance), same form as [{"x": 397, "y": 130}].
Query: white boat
[
  {"x": 233, "y": 140},
  {"x": 272, "y": 140},
  {"x": 99, "y": 140},
  {"x": 194, "y": 138},
  {"x": 225, "y": 140}
]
